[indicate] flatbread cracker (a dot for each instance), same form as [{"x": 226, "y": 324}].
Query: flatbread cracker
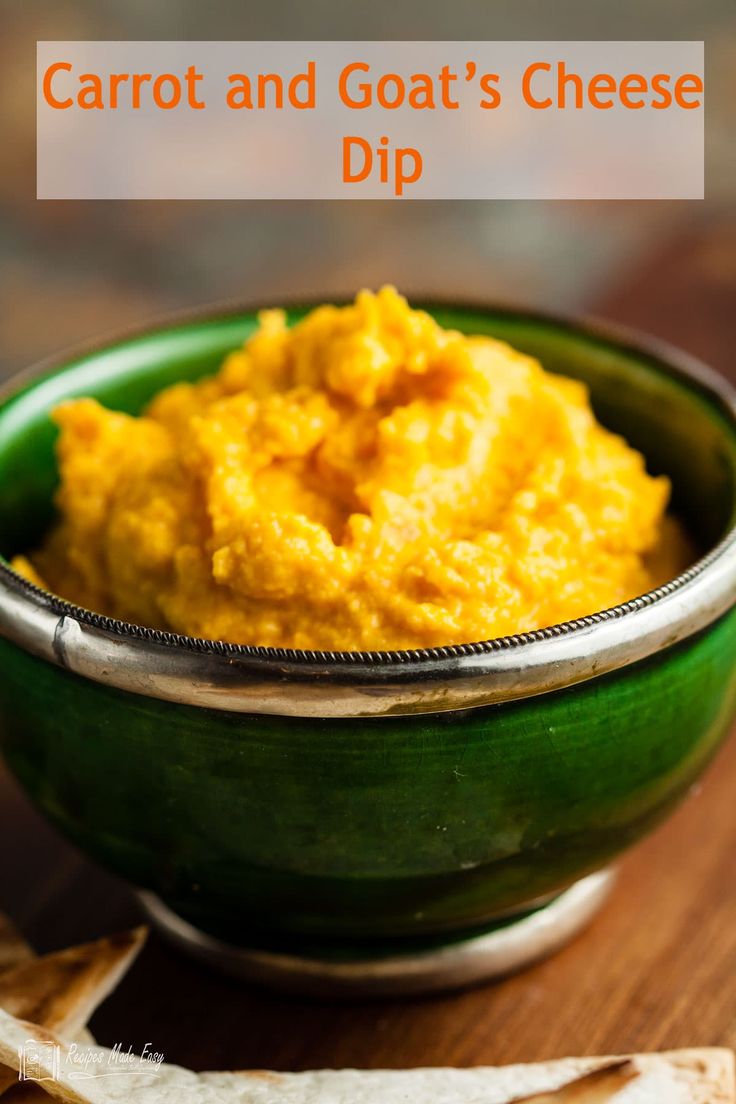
[
  {"x": 680, "y": 1077},
  {"x": 61, "y": 990},
  {"x": 13, "y": 951}
]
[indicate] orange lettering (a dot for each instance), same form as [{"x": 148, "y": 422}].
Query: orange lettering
[
  {"x": 634, "y": 82},
  {"x": 158, "y": 96},
  {"x": 414, "y": 157},
  {"x": 421, "y": 93},
  {"x": 664, "y": 96},
  {"x": 563, "y": 79},
  {"x": 526, "y": 85},
  {"x": 307, "y": 78},
  {"x": 116, "y": 79},
  {"x": 600, "y": 83},
  {"x": 383, "y": 93},
  {"x": 264, "y": 79},
  {"x": 48, "y": 95},
  {"x": 139, "y": 79},
  {"x": 348, "y": 176},
  {"x": 688, "y": 82},
  {"x": 239, "y": 94},
  {"x": 90, "y": 92},
  {"x": 492, "y": 97},
  {"x": 365, "y": 89},
  {"x": 192, "y": 76}
]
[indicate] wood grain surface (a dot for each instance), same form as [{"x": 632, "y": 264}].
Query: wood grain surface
[{"x": 656, "y": 969}]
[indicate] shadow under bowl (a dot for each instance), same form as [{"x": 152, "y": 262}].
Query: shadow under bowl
[{"x": 365, "y": 800}]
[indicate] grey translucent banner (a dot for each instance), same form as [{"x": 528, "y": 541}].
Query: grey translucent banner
[{"x": 370, "y": 120}]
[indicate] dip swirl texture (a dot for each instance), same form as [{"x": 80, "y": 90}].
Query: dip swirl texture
[{"x": 362, "y": 480}]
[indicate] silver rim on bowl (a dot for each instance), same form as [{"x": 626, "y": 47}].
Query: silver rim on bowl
[
  {"x": 455, "y": 965},
  {"x": 285, "y": 682}
]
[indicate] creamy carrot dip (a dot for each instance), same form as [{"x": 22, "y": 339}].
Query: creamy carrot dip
[{"x": 362, "y": 480}]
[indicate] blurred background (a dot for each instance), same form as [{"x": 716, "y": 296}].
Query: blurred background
[{"x": 72, "y": 271}]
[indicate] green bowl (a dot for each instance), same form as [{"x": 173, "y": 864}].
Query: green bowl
[{"x": 357, "y": 800}]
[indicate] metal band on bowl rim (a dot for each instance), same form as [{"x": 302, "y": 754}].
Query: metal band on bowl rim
[{"x": 286, "y": 682}]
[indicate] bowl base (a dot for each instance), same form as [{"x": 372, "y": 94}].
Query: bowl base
[{"x": 469, "y": 961}]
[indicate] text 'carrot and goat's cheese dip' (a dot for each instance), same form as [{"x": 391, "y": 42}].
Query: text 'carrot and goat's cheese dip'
[{"x": 362, "y": 480}]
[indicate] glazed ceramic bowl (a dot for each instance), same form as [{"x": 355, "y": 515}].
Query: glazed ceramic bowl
[{"x": 280, "y": 798}]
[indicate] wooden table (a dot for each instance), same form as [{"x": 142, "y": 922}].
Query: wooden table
[{"x": 656, "y": 969}]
